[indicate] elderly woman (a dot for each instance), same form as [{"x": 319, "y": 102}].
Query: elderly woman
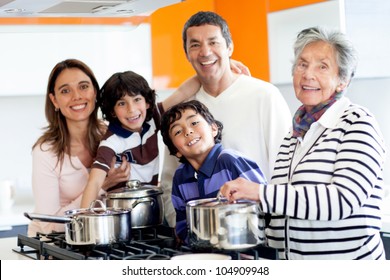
[{"x": 327, "y": 184}]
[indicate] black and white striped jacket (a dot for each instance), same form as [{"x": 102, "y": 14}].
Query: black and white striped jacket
[{"x": 327, "y": 206}]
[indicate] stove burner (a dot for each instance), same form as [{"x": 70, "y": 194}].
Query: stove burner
[
  {"x": 157, "y": 243},
  {"x": 148, "y": 257}
]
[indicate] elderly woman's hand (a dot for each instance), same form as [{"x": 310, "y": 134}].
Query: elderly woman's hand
[
  {"x": 239, "y": 68},
  {"x": 240, "y": 188},
  {"x": 117, "y": 175}
]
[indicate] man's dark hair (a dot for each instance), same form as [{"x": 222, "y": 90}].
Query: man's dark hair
[{"x": 202, "y": 18}]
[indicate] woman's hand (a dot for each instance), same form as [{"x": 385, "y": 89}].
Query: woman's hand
[
  {"x": 239, "y": 68},
  {"x": 117, "y": 175},
  {"x": 240, "y": 188}
]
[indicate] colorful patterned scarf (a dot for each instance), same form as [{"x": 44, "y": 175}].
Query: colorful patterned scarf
[{"x": 302, "y": 119}]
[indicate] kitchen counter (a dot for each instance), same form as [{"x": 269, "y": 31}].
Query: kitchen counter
[{"x": 6, "y": 253}]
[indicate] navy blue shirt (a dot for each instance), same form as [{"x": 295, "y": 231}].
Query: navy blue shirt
[{"x": 221, "y": 165}]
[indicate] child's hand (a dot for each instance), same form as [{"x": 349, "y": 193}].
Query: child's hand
[{"x": 117, "y": 175}]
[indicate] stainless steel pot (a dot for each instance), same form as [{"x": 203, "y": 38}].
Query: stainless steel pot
[
  {"x": 144, "y": 202},
  {"x": 217, "y": 223},
  {"x": 92, "y": 226}
]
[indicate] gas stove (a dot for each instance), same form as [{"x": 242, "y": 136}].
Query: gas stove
[{"x": 155, "y": 243}]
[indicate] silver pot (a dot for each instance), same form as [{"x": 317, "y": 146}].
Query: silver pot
[
  {"x": 92, "y": 226},
  {"x": 217, "y": 223},
  {"x": 144, "y": 202}
]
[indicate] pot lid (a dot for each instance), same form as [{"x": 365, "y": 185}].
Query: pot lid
[
  {"x": 101, "y": 210},
  {"x": 219, "y": 202},
  {"x": 134, "y": 189}
]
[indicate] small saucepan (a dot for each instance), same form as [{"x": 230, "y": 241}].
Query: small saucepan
[
  {"x": 216, "y": 223},
  {"x": 93, "y": 225},
  {"x": 143, "y": 200}
]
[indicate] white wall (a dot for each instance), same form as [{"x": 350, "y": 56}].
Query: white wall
[
  {"x": 368, "y": 27},
  {"x": 21, "y": 118},
  {"x": 284, "y": 26}
]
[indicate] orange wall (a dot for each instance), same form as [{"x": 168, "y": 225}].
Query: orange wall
[
  {"x": 248, "y": 25},
  {"x": 277, "y": 5},
  {"x": 170, "y": 66}
]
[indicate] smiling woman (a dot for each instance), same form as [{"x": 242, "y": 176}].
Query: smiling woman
[
  {"x": 74, "y": 95},
  {"x": 64, "y": 153}
]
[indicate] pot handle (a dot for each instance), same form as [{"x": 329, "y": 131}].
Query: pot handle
[
  {"x": 220, "y": 197},
  {"x": 93, "y": 204},
  {"x": 141, "y": 200},
  {"x": 48, "y": 218},
  {"x": 80, "y": 225},
  {"x": 133, "y": 184}
]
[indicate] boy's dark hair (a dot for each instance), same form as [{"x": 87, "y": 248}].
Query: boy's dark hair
[
  {"x": 175, "y": 112},
  {"x": 120, "y": 84},
  {"x": 203, "y": 18}
]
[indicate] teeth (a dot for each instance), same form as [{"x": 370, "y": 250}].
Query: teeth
[
  {"x": 208, "y": 62},
  {"x": 193, "y": 142},
  {"x": 134, "y": 118},
  {"x": 79, "y": 107},
  {"x": 309, "y": 88}
]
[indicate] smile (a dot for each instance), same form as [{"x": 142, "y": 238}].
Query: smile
[
  {"x": 309, "y": 88},
  {"x": 78, "y": 107},
  {"x": 210, "y": 62},
  {"x": 194, "y": 141},
  {"x": 131, "y": 119}
]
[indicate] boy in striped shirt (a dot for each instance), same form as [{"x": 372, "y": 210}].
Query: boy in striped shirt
[{"x": 129, "y": 105}]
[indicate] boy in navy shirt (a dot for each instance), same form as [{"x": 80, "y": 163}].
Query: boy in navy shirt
[{"x": 193, "y": 135}]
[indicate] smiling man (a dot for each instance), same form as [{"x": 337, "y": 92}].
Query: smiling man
[{"x": 254, "y": 114}]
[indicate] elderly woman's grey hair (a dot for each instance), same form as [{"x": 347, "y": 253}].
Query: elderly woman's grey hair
[{"x": 346, "y": 55}]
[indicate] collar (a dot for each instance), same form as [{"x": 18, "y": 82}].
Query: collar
[
  {"x": 332, "y": 116},
  {"x": 207, "y": 167},
  {"x": 116, "y": 128}
]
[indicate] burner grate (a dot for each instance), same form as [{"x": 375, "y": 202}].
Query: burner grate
[{"x": 155, "y": 243}]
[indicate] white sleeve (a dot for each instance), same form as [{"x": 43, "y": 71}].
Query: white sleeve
[{"x": 277, "y": 125}]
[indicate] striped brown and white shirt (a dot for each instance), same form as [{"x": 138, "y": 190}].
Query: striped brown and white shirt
[{"x": 140, "y": 149}]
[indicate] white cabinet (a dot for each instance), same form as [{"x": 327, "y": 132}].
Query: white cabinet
[{"x": 28, "y": 53}]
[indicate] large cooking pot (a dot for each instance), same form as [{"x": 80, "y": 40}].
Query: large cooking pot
[
  {"x": 93, "y": 225},
  {"x": 216, "y": 223},
  {"x": 144, "y": 201}
]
